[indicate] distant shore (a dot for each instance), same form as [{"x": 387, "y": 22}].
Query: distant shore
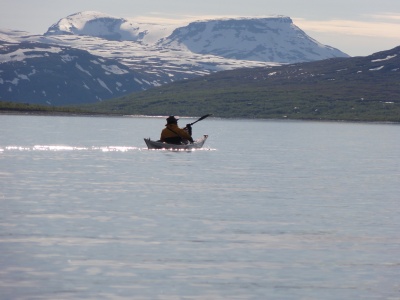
[{"x": 109, "y": 115}]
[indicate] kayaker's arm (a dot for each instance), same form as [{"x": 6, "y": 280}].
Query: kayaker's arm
[
  {"x": 189, "y": 129},
  {"x": 183, "y": 133}
]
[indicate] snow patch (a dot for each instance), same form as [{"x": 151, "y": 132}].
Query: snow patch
[
  {"x": 14, "y": 81},
  {"x": 32, "y": 73},
  {"x": 103, "y": 84},
  {"x": 138, "y": 81},
  {"x": 114, "y": 69},
  {"x": 377, "y": 69},
  {"x": 23, "y": 77},
  {"x": 145, "y": 81},
  {"x": 92, "y": 23},
  {"x": 386, "y": 58},
  {"x": 156, "y": 83},
  {"x": 67, "y": 58},
  {"x": 18, "y": 55},
  {"x": 82, "y": 69}
]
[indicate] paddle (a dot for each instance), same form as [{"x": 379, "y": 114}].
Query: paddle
[
  {"x": 202, "y": 118},
  {"x": 189, "y": 126}
]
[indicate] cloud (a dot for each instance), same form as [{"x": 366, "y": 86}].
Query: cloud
[
  {"x": 386, "y": 16},
  {"x": 380, "y": 29}
]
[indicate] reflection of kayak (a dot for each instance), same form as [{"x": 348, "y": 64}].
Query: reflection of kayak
[{"x": 160, "y": 145}]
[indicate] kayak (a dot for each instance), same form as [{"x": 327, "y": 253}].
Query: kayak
[{"x": 197, "y": 144}]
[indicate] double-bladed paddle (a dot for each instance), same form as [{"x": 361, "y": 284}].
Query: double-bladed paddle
[{"x": 202, "y": 118}]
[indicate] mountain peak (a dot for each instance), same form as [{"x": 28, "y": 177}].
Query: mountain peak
[
  {"x": 274, "y": 39},
  {"x": 266, "y": 39},
  {"x": 97, "y": 24},
  {"x": 76, "y": 23}
]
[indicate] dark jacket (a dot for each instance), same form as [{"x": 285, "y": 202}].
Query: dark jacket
[{"x": 174, "y": 135}]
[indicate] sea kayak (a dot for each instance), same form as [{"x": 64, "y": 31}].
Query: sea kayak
[{"x": 197, "y": 144}]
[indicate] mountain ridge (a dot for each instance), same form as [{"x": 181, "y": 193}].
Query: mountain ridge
[
  {"x": 154, "y": 55},
  {"x": 272, "y": 36},
  {"x": 50, "y": 74},
  {"x": 274, "y": 39},
  {"x": 352, "y": 89},
  {"x": 97, "y": 24}
]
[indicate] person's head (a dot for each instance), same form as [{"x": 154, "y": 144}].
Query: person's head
[{"x": 172, "y": 120}]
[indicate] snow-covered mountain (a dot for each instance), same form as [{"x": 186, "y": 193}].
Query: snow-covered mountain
[
  {"x": 274, "y": 39},
  {"x": 59, "y": 75},
  {"x": 152, "y": 54},
  {"x": 97, "y": 24}
]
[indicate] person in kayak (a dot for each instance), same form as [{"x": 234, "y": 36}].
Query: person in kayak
[{"x": 172, "y": 134}]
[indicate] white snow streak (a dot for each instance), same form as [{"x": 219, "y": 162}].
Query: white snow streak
[
  {"x": 82, "y": 69},
  {"x": 383, "y": 59},
  {"x": 377, "y": 69},
  {"x": 114, "y": 69},
  {"x": 102, "y": 83}
]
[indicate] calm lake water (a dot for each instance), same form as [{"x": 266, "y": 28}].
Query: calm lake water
[{"x": 267, "y": 210}]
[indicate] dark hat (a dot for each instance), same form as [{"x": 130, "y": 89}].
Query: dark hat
[{"x": 172, "y": 120}]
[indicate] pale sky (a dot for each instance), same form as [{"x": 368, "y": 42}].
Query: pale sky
[{"x": 356, "y": 27}]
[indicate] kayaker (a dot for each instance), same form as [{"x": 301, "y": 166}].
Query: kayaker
[{"x": 172, "y": 134}]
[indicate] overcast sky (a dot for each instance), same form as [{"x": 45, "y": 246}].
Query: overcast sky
[{"x": 357, "y": 27}]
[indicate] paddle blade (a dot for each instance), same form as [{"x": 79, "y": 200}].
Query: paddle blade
[{"x": 202, "y": 118}]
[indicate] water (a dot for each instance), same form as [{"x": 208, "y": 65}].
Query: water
[{"x": 267, "y": 210}]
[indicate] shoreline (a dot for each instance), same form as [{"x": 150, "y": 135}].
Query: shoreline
[{"x": 109, "y": 115}]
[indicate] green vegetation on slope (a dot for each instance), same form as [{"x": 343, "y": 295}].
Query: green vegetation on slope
[
  {"x": 15, "y": 107},
  {"x": 351, "y": 89},
  {"x": 335, "y": 89}
]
